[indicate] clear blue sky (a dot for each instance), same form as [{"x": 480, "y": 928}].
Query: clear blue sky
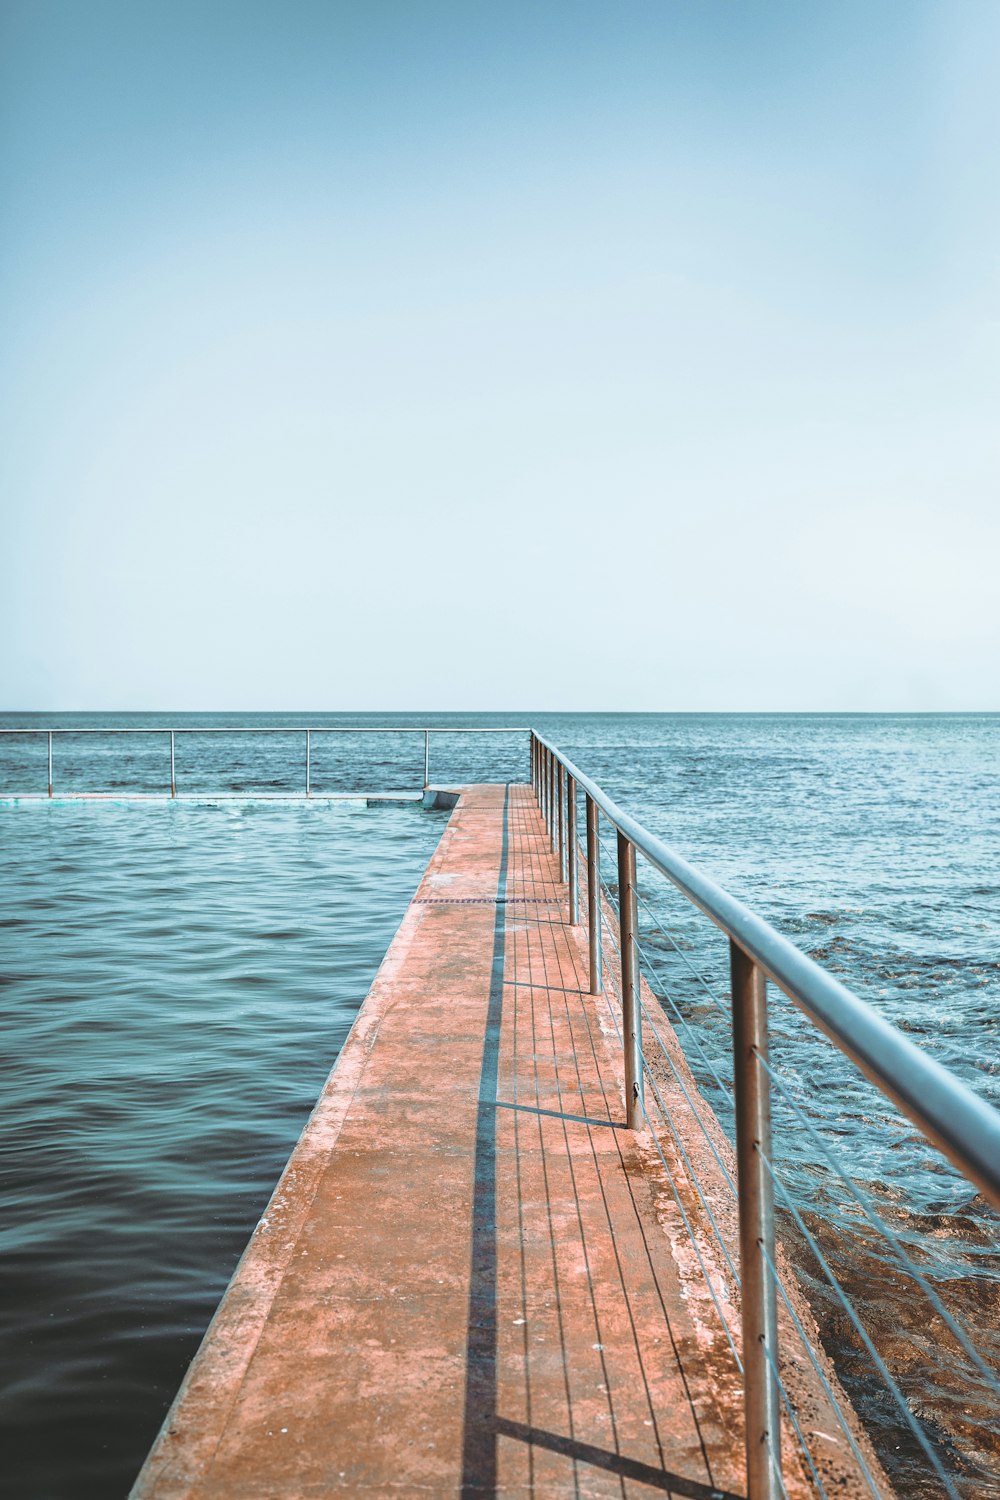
[{"x": 472, "y": 355}]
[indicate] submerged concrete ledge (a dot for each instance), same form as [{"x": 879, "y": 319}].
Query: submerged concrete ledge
[{"x": 471, "y": 1280}]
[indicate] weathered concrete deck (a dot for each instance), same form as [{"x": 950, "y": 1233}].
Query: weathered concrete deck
[{"x": 468, "y": 1280}]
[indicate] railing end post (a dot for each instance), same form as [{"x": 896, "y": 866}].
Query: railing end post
[
  {"x": 594, "y": 897},
  {"x": 758, "y": 1297},
  {"x": 631, "y": 1013},
  {"x": 572, "y": 853}
]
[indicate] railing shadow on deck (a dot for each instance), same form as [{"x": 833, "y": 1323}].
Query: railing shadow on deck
[{"x": 613, "y": 1463}]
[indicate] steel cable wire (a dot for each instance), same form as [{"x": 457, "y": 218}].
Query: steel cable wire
[
  {"x": 784, "y": 1196},
  {"x": 895, "y": 1251},
  {"x": 806, "y": 1343},
  {"x": 716, "y": 999},
  {"x": 614, "y": 981},
  {"x": 882, "y": 1229},
  {"x": 693, "y": 1107},
  {"x": 694, "y": 1243},
  {"x": 604, "y": 991},
  {"x": 782, "y": 1193},
  {"x": 797, "y": 1323},
  {"x": 611, "y": 1013},
  {"x": 673, "y": 1183},
  {"x": 794, "y": 1422},
  {"x": 669, "y": 1122},
  {"x": 960, "y": 1334},
  {"x": 724, "y": 1088},
  {"x": 956, "y": 1329}
]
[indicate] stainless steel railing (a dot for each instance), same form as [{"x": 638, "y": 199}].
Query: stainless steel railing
[
  {"x": 951, "y": 1117},
  {"x": 307, "y": 732}
]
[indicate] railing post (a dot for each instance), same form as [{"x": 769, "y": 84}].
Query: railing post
[
  {"x": 173, "y": 778},
  {"x": 553, "y": 830},
  {"x": 572, "y": 852},
  {"x": 542, "y": 778},
  {"x": 594, "y": 897},
  {"x": 756, "y": 1210},
  {"x": 631, "y": 1015},
  {"x": 50, "y": 762},
  {"x": 308, "y": 762},
  {"x": 561, "y": 811},
  {"x": 427, "y": 759}
]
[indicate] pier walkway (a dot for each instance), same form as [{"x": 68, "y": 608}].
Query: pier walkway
[{"x": 469, "y": 1280}]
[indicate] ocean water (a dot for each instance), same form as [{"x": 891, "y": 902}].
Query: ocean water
[
  {"x": 177, "y": 982},
  {"x": 178, "y": 979}
]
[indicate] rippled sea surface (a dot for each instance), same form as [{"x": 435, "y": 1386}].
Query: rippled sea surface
[
  {"x": 177, "y": 983},
  {"x": 178, "y": 979}
]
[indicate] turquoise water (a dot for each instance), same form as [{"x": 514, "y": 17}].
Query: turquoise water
[
  {"x": 178, "y": 980},
  {"x": 177, "y": 983}
]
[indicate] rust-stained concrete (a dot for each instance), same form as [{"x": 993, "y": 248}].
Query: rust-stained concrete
[{"x": 471, "y": 1280}]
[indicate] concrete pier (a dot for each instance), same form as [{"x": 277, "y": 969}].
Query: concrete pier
[{"x": 472, "y": 1280}]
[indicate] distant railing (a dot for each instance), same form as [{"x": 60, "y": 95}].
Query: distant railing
[
  {"x": 307, "y": 732},
  {"x": 961, "y": 1125}
]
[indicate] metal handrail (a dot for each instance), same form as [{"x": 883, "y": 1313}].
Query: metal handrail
[
  {"x": 172, "y": 730},
  {"x": 951, "y": 1116},
  {"x": 955, "y": 1119},
  {"x": 265, "y": 729}
]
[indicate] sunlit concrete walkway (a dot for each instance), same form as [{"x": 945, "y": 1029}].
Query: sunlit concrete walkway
[{"x": 466, "y": 1282}]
